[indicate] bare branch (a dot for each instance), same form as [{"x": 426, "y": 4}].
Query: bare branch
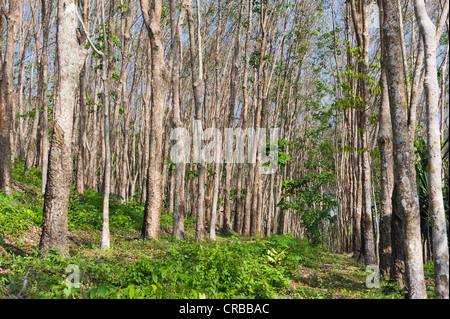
[{"x": 88, "y": 36}]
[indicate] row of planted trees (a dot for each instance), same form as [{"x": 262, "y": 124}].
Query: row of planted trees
[
  {"x": 394, "y": 95},
  {"x": 97, "y": 93}
]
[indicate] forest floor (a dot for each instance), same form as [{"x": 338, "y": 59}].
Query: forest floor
[{"x": 232, "y": 267}]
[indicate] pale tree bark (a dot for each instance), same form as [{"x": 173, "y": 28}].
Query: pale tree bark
[
  {"x": 232, "y": 119},
  {"x": 418, "y": 75},
  {"x": 436, "y": 202},
  {"x": 197, "y": 79},
  {"x": 147, "y": 126},
  {"x": 355, "y": 165},
  {"x": 387, "y": 177},
  {"x": 386, "y": 168},
  {"x": 24, "y": 40},
  {"x": 6, "y": 96},
  {"x": 71, "y": 57},
  {"x": 109, "y": 25},
  {"x": 360, "y": 21},
  {"x": 82, "y": 127},
  {"x": 124, "y": 174},
  {"x": 444, "y": 119},
  {"x": 404, "y": 161},
  {"x": 215, "y": 119},
  {"x": 398, "y": 258},
  {"x": 43, "y": 78},
  {"x": 259, "y": 101},
  {"x": 154, "y": 202},
  {"x": 179, "y": 174},
  {"x": 93, "y": 178},
  {"x": 80, "y": 178},
  {"x": 106, "y": 239},
  {"x": 31, "y": 153},
  {"x": 245, "y": 204},
  {"x": 215, "y": 197}
]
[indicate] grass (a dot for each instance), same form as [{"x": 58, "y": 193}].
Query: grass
[{"x": 231, "y": 267}]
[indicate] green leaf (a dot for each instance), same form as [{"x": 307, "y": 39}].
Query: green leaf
[
  {"x": 131, "y": 291},
  {"x": 67, "y": 292},
  {"x": 102, "y": 290}
]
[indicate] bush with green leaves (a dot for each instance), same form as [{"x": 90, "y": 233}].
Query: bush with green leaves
[
  {"x": 423, "y": 188},
  {"x": 229, "y": 270},
  {"x": 234, "y": 268},
  {"x": 306, "y": 197}
]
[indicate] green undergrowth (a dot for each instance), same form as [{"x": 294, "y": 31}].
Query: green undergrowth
[{"x": 231, "y": 267}]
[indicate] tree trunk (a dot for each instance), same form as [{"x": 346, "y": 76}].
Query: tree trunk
[
  {"x": 6, "y": 94},
  {"x": 147, "y": 126},
  {"x": 154, "y": 201},
  {"x": 106, "y": 240},
  {"x": 387, "y": 177},
  {"x": 436, "y": 202},
  {"x": 197, "y": 79},
  {"x": 71, "y": 57},
  {"x": 179, "y": 173},
  {"x": 80, "y": 178},
  {"x": 404, "y": 161},
  {"x": 360, "y": 21}
]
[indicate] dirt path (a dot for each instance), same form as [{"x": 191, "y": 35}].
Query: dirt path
[{"x": 335, "y": 276}]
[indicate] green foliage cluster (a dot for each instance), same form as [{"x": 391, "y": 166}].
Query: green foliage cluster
[
  {"x": 305, "y": 196},
  {"x": 224, "y": 270},
  {"x": 232, "y": 269},
  {"x": 85, "y": 212},
  {"x": 423, "y": 188}
]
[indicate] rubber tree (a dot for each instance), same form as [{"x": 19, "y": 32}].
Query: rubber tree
[
  {"x": 436, "y": 202},
  {"x": 404, "y": 160},
  {"x": 71, "y": 57},
  {"x": 151, "y": 13},
  {"x": 6, "y": 94}
]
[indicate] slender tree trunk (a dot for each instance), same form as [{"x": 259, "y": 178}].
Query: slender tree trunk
[
  {"x": 259, "y": 105},
  {"x": 71, "y": 57},
  {"x": 197, "y": 79},
  {"x": 404, "y": 166},
  {"x": 20, "y": 130},
  {"x": 357, "y": 215},
  {"x": 106, "y": 240},
  {"x": 245, "y": 205},
  {"x": 444, "y": 119},
  {"x": 6, "y": 95},
  {"x": 125, "y": 105},
  {"x": 232, "y": 119},
  {"x": 34, "y": 152},
  {"x": 360, "y": 21},
  {"x": 95, "y": 142},
  {"x": 217, "y": 178},
  {"x": 147, "y": 126},
  {"x": 387, "y": 177},
  {"x": 216, "y": 122},
  {"x": 154, "y": 201},
  {"x": 179, "y": 173},
  {"x": 436, "y": 202},
  {"x": 80, "y": 178}
]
